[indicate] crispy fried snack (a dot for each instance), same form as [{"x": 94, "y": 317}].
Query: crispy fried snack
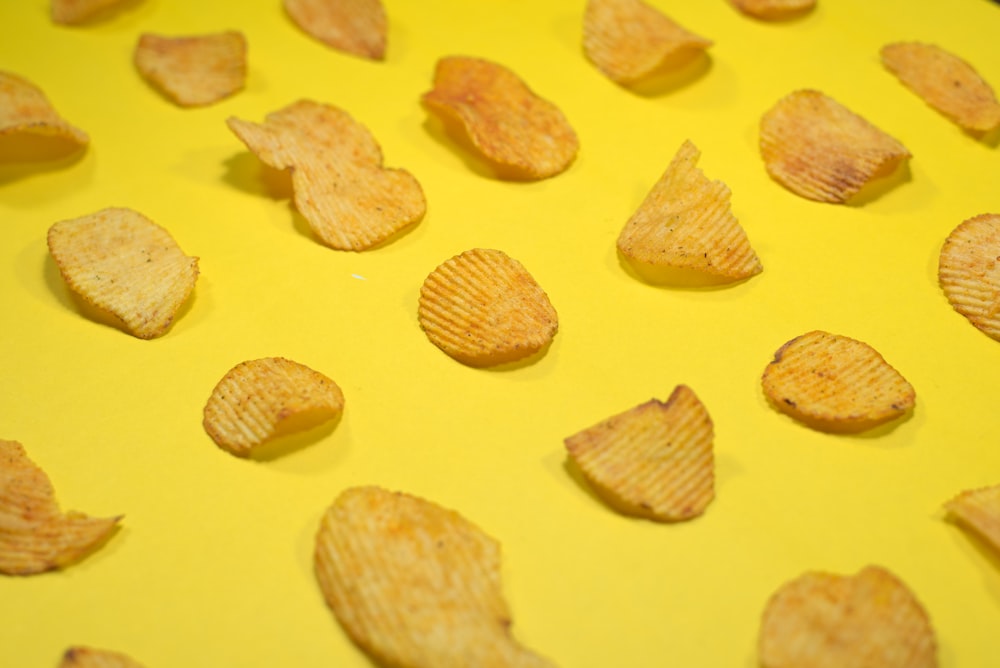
[
  {"x": 654, "y": 460},
  {"x": 24, "y": 110},
  {"x": 89, "y": 657},
  {"x": 358, "y": 27},
  {"x": 968, "y": 272},
  {"x": 773, "y": 10},
  {"x": 979, "y": 511},
  {"x": 414, "y": 584},
  {"x": 196, "y": 70},
  {"x": 72, "y": 12},
  {"x": 35, "y": 536}
]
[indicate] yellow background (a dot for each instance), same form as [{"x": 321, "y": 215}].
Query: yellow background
[{"x": 212, "y": 565}]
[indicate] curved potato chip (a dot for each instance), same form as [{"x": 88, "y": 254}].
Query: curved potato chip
[
  {"x": 25, "y": 110},
  {"x": 89, "y": 657},
  {"x": 869, "y": 619},
  {"x": 968, "y": 272},
  {"x": 414, "y": 584},
  {"x": 195, "y": 70},
  {"x": 71, "y": 12},
  {"x": 773, "y": 10},
  {"x": 357, "y": 27},
  {"x": 979, "y": 510},
  {"x": 35, "y": 536},
  {"x": 821, "y": 150}
]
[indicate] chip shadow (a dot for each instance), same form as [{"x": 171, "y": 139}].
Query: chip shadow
[{"x": 674, "y": 74}]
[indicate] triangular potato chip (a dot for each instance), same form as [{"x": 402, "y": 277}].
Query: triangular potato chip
[
  {"x": 358, "y": 27},
  {"x": 25, "y": 110},
  {"x": 72, "y": 12},
  {"x": 979, "y": 510},
  {"x": 89, "y": 657},
  {"x": 194, "y": 70},
  {"x": 969, "y": 274},
  {"x": 773, "y": 10}
]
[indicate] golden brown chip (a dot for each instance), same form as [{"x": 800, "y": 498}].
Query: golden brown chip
[
  {"x": 834, "y": 383},
  {"x": 773, "y": 10},
  {"x": 629, "y": 40},
  {"x": 823, "y": 620},
  {"x": 89, "y": 657},
  {"x": 483, "y": 308},
  {"x": 685, "y": 222},
  {"x": 414, "y": 584},
  {"x": 945, "y": 82},
  {"x": 968, "y": 271},
  {"x": 524, "y": 135},
  {"x": 821, "y": 150},
  {"x": 260, "y": 400},
  {"x": 25, "y": 110},
  {"x": 349, "y": 199},
  {"x": 196, "y": 70},
  {"x": 35, "y": 536},
  {"x": 654, "y": 460},
  {"x": 125, "y": 265},
  {"x": 70, "y": 12},
  {"x": 979, "y": 511},
  {"x": 358, "y": 27}
]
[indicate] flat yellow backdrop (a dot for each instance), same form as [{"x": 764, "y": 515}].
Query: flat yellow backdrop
[{"x": 212, "y": 565}]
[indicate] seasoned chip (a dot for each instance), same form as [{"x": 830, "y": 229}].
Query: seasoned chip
[
  {"x": 35, "y": 536},
  {"x": 821, "y": 150},
  {"x": 126, "y": 265},
  {"x": 654, "y": 460},
  {"x": 483, "y": 308},
  {"x": 834, "y": 383},
  {"x": 629, "y": 40},
  {"x": 979, "y": 510},
  {"x": 685, "y": 222},
  {"x": 70, "y": 12},
  {"x": 349, "y": 199},
  {"x": 196, "y": 70},
  {"x": 969, "y": 274},
  {"x": 260, "y": 400},
  {"x": 89, "y": 657},
  {"x": 524, "y": 135},
  {"x": 357, "y": 27},
  {"x": 415, "y": 584},
  {"x": 945, "y": 82},
  {"x": 24, "y": 110},
  {"x": 773, "y": 10}
]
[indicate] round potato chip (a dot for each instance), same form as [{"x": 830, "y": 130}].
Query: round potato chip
[
  {"x": 773, "y": 10},
  {"x": 73, "y": 12},
  {"x": 89, "y": 657},
  {"x": 979, "y": 510},
  {"x": 194, "y": 71},
  {"x": 358, "y": 27},
  {"x": 969, "y": 272},
  {"x": 25, "y": 110}
]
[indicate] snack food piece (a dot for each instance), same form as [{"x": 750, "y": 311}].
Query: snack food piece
[
  {"x": 821, "y": 150},
  {"x": 979, "y": 511},
  {"x": 834, "y": 383},
  {"x": 25, "y": 110},
  {"x": 654, "y": 460},
  {"x": 414, "y": 584},
  {"x": 71, "y": 12},
  {"x": 195, "y": 70},
  {"x": 483, "y": 308},
  {"x": 773, "y": 10},
  {"x": 125, "y": 265},
  {"x": 358, "y": 27},
  {"x": 524, "y": 135},
  {"x": 968, "y": 271},
  {"x": 35, "y": 536},
  {"x": 89, "y": 657},
  {"x": 349, "y": 199}
]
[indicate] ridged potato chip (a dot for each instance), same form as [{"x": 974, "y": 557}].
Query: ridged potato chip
[
  {"x": 968, "y": 272},
  {"x": 870, "y": 619},
  {"x": 655, "y": 460},
  {"x": 483, "y": 308},
  {"x": 72, "y": 12},
  {"x": 25, "y": 110},
  {"x": 358, "y": 27},
  {"x": 90, "y": 657},
  {"x": 773, "y": 10},
  {"x": 979, "y": 511},
  {"x": 835, "y": 383},
  {"x": 821, "y": 150},
  {"x": 35, "y": 535},
  {"x": 415, "y": 584},
  {"x": 195, "y": 70}
]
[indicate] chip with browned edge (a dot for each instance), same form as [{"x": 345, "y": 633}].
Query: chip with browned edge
[
  {"x": 655, "y": 460},
  {"x": 773, "y": 10},
  {"x": 195, "y": 70},
  {"x": 25, "y": 110},
  {"x": 523, "y": 135},
  {"x": 835, "y": 383},
  {"x": 90, "y": 657},
  {"x": 969, "y": 274},
  {"x": 415, "y": 584},
  {"x": 821, "y": 150},
  {"x": 349, "y": 199},
  {"x": 71, "y": 12},
  {"x": 824, "y": 620},
  {"x": 358, "y": 27},
  {"x": 978, "y": 510},
  {"x": 35, "y": 535}
]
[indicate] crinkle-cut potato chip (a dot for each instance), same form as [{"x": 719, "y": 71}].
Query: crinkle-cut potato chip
[
  {"x": 773, "y": 10},
  {"x": 415, "y": 584},
  {"x": 260, "y": 400},
  {"x": 25, "y": 110},
  {"x": 483, "y": 308},
  {"x": 340, "y": 187},
  {"x": 90, "y": 657},
  {"x": 978, "y": 510},
  {"x": 358, "y": 27},
  {"x": 685, "y": 222},
  {"x": 870, "y": 619},
  {"x": 35, "y": 535},
  {"x": 655, "y": 460},
  {"x": 946, "y": 82},
  {"x": 522, "y": 134},
  {"x": 628, "y": 40},
  {"x": 194, "y": 70},
  {"x": 72, "y": 12},
  {"x": 126, "y": 265},
  {"x": 969, "y": 274},
  {"x": 821, "y": 150}
]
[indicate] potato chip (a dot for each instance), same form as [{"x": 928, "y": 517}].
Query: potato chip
[
  {"x": 25, "y": 110},
  {"x": 823, "y": 620},
  {"x": 945, "y": 82},
  {"x": 979, "y": 511},
  {"x": 194, "y": 71},
  {"x": 35, "y": 536},
  {"x": 655, "y": 460},
  {"x": 483, "y": 308},
  {"x": 72, "y": 12},
  {"x": 415, "y": 584},
  {"x": 89, "y": 657},
  {"x": 773, "y": 10},
  {"x": 685, "y": 222},
  {"x": 628, "y": 40},
  {"x": 823, "y": 151},
  {"x": 349, "y": 199},
  {"x": 968, "y": 271},
  {"x": 260, "y": 400},
  {"x": 358, "y": 27},
  {"x": 837, "y": 384},
  {"x": 525, "y": 136}
]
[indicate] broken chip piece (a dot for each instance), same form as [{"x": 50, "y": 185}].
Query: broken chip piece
[
  {"x": 358, "y": 27},
  {"x": 773, "y": 10},
  {"x": 90, "y": 657},
  {"x": 483, "y": 308},
  {"x": 655, "y": 460},
  {"x": 415, "y": 584},
  {"x": 821, "y": 150},
  {"x": 194, "y": 70},
  {"x": 968, "y": 271},
  {"x": 72, "y": 12},
  {"x": 26, "y": 111},
  {"x": 978, "y": 510}
]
